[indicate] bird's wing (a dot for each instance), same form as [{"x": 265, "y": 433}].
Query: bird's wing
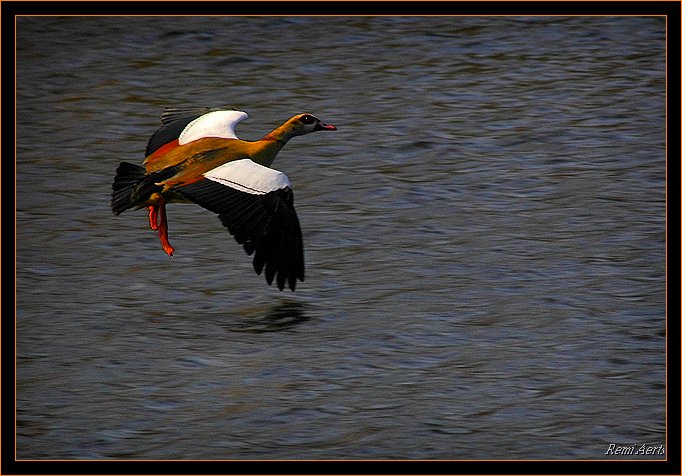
[
  {"x": 187, "y": 125},
  {"x": 214, "y": 124},
  {"x": 256, "y": 204},
  {"x": 173, "y": 122},
  {"x": 173, "y": 114}
]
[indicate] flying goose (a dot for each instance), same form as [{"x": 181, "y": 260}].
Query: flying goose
[{"x": 195, "y": 156}]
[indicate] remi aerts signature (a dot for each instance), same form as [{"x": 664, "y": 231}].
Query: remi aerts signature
[{"x": 635, "y": 449}]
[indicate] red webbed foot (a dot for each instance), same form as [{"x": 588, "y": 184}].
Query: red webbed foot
[
  {"x": 163, "y": 229},
  {"x": 153, "y": 217}
]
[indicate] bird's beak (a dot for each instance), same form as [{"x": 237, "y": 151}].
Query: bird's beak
[{"x": 324, "y": 127}]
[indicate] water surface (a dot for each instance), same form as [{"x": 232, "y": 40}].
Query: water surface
[{"x": 484, "y": 241}]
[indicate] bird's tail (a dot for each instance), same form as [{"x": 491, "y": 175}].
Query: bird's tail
[
  {"x": 125, "y": 188},
  {"x": 133, "y": 186}
]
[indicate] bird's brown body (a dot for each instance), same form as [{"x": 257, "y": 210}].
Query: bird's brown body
[{"x": 200, "y": 156}]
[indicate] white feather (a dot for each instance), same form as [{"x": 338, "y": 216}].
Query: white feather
[
  {"x": 248, "y": 176},
  {"x": 214, "y": 124}
]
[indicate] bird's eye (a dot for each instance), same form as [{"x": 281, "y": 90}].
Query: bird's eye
[{"x": 307, "y": 119}]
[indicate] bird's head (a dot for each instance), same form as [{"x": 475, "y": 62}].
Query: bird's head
[{"x": 306, "y": 123}]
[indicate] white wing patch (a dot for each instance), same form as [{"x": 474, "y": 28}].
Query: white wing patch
[
  {"x": 214, "y": 124},
  {"x": 247, "y": 176}
]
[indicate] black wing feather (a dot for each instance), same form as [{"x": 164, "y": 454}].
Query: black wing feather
[
  {"x": 265, "y": 224},
  {"x": 172, "y": 114}
]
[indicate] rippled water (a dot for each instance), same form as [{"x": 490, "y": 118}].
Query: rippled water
[{"x": 485, "y": 241}]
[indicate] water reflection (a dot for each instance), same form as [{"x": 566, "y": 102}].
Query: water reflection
[{"x": 280, "y": 317}]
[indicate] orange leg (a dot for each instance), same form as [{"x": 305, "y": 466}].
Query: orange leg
[
  {"x": 153, "y": 217},
  {"x": 163, "y": 229}
]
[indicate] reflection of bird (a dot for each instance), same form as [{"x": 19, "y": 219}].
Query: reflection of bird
[
  {"x": 278, "y": 318},
  {"x": 195, "y": 156}
]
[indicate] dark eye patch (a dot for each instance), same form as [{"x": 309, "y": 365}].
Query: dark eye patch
[{"x": 307, "y": 119}]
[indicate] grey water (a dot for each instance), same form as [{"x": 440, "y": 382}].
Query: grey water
[{"x": 485, "y": 241}]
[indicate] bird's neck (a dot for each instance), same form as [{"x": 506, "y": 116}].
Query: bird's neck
[
  {"x": 268, "y": 147},
  {"x": 281, "y": 134}
]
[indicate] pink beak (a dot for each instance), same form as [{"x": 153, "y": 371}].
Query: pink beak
[{"x": 325, "y": 127}]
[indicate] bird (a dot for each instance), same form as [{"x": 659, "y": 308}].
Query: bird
[{"x": 196, "y": 157}]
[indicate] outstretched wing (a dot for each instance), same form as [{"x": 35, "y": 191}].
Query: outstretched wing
[
  {"x": 190, "y": 124},
  {"x": 173, "y": 122},
  {"x": 256, "y": 204}
]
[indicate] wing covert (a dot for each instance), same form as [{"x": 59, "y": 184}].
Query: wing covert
[
  {"x": 189, "y": 124},
  {"x": 173, "y": 122}
]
